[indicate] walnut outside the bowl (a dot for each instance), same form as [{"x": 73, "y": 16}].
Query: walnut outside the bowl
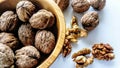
[
  {"x": 27, "y": 57},
  {"x": 90, "y": 20},
  {"x": 45, "y": 41},
  {"x": 80, "y": 6},
  {"x": 8, "y": 21},
  {"x": 42, "y": 19},
  {"x": 63, "y": 4},
  {"x": 24, "y": 10},
  {"x": 9, "y": 39},
  {"x": 26, "y": 34},
  {"x": 98, "y": 4},
  {"x": 6, "y": 56}
]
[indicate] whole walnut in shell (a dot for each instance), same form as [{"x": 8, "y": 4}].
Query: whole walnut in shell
[
  {"x": 42, "y": 19},
  {"x": 24, "y": 10},
  {"x": 63, "y": 4},
  {"x": 8, "y": 21},
  {"x": 26, "y": 34},
  {"x": 6, "y": 56},
  {"x": 90, "y": 20},
  {"x": 27, "y": 57},
  {"x": 98, "y": 4},
  {"x": 45, "y": 41},
  {"x": 9, "y": 39},
  {"x": 80, "y": 6}
]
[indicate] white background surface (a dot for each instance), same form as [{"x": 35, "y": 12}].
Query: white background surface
[{"x": 108, "y": 31}]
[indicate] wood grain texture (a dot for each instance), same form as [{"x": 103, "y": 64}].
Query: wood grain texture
[{"x": 51, "y": 6}]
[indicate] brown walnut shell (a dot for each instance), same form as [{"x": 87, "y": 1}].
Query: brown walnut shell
[
  {"x": 8, "y": 21},
  {"x": 45, "y": 41}
]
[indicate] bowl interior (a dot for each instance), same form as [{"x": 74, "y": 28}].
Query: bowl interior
[{"x": 60, "y": 23}]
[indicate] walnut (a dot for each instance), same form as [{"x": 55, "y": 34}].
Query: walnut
[
  {"x": 80, "y": 6},
  {"x": 45, "y": 41},
  {"x": 103, "y": 51},
  {"x": 63, "y": 4},
  {"x": 8, "y": 21},
  {"x": 26, "y": 34},
  {"x": 81, "y": 59},
  {"x": 24, "y": 10},
  {"x": 90, "y": 20},
  {"x": 98, "y": 4},
  {"x": 42, "y": 19},
  {"x": 9, "y": 39},
  {"x": 66, "y": 48},
  {"x": 27, "y": 57},
  {"x": 6, "y": 56}
]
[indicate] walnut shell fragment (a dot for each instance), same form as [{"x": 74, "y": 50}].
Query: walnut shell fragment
[
  {"x": 45, "y": 41},
  {"x": 90, "y": 20},
  {"x": 80, "y": 6},
  {"x": 103, "y": 51},
  {"x": 8, "y": 21},
  {"x": 9, "y": 39},
  {"x": 27, "y": 57},
  {"x": 26, "y": 34},
  {"x": 42, "y": 19},
  {"x": 24, "y": 10},
  {"x": 6, "y": 56},
  {"x": 98, "y": 4},
  {"x": 63, "y": 4}
]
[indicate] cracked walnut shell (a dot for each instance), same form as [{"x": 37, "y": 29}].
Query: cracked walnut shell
[
  {"x": 42, "y": 19},
  {"x": 63, "y": 4},
  {"x": 98, "y": 4},
  {"x": 103, "y": 51},
  {"x": 26, "y": 34},
  {"x": 45, "y": 41},
  {"x": 8, "y": 21},
  {"x": 6, "y": 56},
  {"x": 9, "y": 39},
  {"x": 90, "y": 20},
  {"x": 27, "y": 57},
  {"x": 80, "y": 6},
  {"x": 24, "y": 10}
]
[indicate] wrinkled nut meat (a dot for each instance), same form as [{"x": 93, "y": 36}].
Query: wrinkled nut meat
[
  {"x": 81, "y": 59},
  {"x": 103, "y": 51},
  {"x": 63, "y": 4},
  {"x": 9, "y": 39},
  {"x": 6, "y": 56},
  {"x": 27, "y": 57},
  {"x": 24, "y": 10},
  {"x": 80, "y": 6},
  {"x": 75, "y": 31},
  {"x": 66, "y": 48},
  {"x": 42, "y": 19},
  {"x": 98, "y": 4},
  {"x": 45, "y": 41},
  {"x": 26, "y": 34},
  {"x": 90, "y": 20},
  {"x": 8, "y": 21}
]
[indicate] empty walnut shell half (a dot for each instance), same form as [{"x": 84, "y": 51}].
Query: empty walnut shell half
[
  {"x": 8, "y": 21},
  {"x": 42, "y": 19},
  {"x": 9, "y": 39},
  {"x": 45, "y": 41},
  {"x": 26, "y": 34},
  {"x": 6, "y": 56},
  {"x": 80, "y": 6},
  {"x": 63, "y": 4},
  {"x": 98, "y": 4},
  {"x": 27, "y": 57},
  {"x": 24, "y": 10},
  {"x": 90, "y": 20}
]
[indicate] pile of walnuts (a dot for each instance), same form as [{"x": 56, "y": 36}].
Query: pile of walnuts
[{"x": 24, "y": 35}]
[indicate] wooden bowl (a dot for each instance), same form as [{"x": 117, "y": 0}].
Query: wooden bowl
[{"x": 51, "y": 6}]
